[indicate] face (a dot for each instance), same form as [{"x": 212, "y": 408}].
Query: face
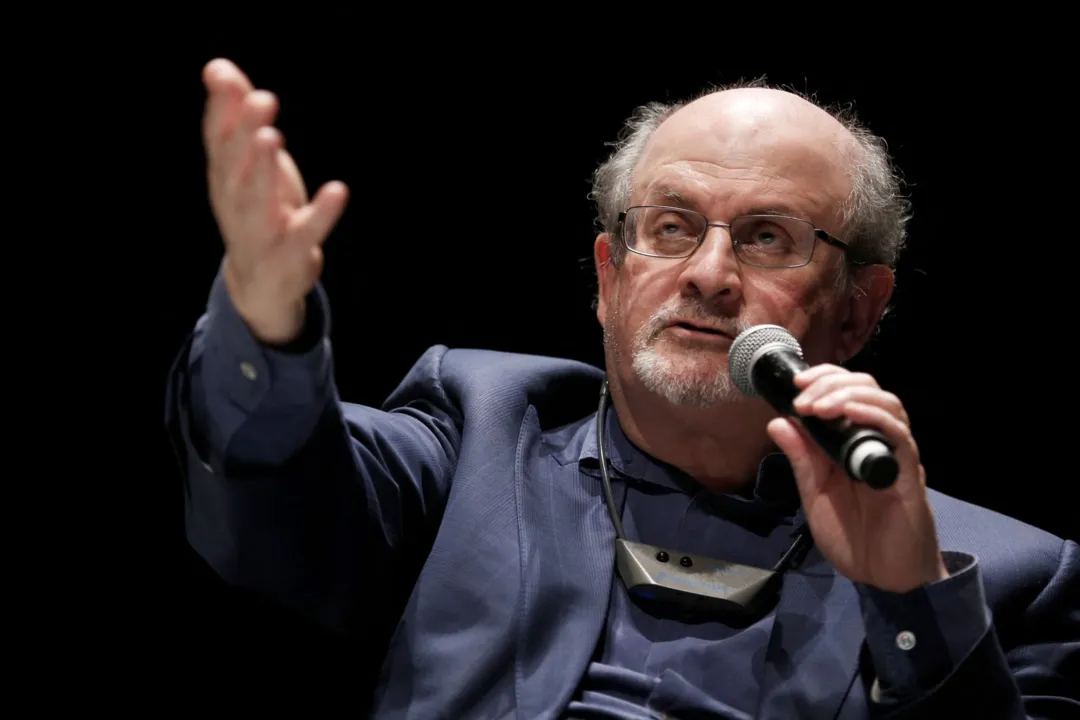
[{"x": 669, "y": 323}]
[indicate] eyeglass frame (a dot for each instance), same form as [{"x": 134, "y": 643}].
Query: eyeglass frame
[{"x": 819, "y": 234}]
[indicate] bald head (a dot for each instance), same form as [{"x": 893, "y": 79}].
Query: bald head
[
  {"x": 741, "y": 142},
  {"x": 758, "y": 108}
]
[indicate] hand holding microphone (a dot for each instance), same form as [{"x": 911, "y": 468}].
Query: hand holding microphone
[
  {"x": 837, "y": 426},
  {"x": 764, "y": 361}
]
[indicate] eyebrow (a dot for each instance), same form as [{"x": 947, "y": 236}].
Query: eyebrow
[
  {"x": 681, "y": 200},
  {"x": 673, "y": 195},
  {"x": 776, "y": 210}
]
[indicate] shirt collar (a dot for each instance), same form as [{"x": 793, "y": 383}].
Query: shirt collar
[{"x": 774, "y": 490}]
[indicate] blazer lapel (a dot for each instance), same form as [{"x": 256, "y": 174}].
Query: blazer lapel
[
  {"x": 567, "y": 560},
  {"x": 813, "y": 652}
]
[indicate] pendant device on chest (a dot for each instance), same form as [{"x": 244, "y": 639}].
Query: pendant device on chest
[{"x": 694, "y": 586}]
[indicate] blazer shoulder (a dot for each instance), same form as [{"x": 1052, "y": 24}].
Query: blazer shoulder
[
  {"x": 486, "y": 381},
  {"x": 971, "y": 527},
  {"x": 1015, "y": 558}
]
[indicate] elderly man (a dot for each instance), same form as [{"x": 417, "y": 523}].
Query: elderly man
[{"x": 471, "y": 512}]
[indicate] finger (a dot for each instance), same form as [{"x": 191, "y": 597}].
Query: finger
[
  {"x": 292, "y": 193},
  {"x": 831, "y": 404},
  {"x": 226, "y": 87},
  {"x": 808, "y": 462},
  {"x": 221, "y": 71},
  {"x": 311, "y": 224},
  {"x": 257, "y": 198},
  {"x": 223, "y": 111},
  {"x": 898, "y": 434},
  {"x": 830, "y": 382},
  {"x": 232, "y": 155},
  {"x": 811, "y": 374}
]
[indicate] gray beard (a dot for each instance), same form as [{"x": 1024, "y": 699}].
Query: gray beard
[
  {"x": 665, "y": 373},
  {"x": 659, "y": 373}
]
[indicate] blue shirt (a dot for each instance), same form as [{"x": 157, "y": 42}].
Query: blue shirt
[
  {"x": 655, "y": 663},
  {"x": 645, "y": 665},
  {"x": 648, "y": 664}
]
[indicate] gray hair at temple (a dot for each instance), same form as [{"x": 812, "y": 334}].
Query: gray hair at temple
[{"x": 875, "y": 214}]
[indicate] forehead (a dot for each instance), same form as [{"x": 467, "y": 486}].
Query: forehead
[{"x": 754, "y": 147}]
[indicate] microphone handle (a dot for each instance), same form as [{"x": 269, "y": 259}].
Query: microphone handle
[{"x": 773, "y": 375}]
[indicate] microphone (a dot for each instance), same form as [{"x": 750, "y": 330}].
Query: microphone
[{"x": 763, "y": 362}]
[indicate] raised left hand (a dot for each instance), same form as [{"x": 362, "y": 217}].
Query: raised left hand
[{"x": 883, "y": 538}]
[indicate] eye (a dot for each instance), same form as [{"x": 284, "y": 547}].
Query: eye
[
  {"x": 671, "y": 224},
  {"x": 765, "y": 235}
]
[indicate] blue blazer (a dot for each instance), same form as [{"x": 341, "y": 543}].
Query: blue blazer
[{"x": 498, "y": 557}]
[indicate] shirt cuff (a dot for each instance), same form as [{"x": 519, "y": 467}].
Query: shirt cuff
[
  {"x": 917, "y": 638},
  {"x": 240, "y": 375}
]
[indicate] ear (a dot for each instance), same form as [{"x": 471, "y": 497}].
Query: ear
[
  {"x": 870, "y": 289},
  {"x": 606, "y": 274}
]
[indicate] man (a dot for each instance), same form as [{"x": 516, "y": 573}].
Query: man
[{"x": 470, "y": 510}]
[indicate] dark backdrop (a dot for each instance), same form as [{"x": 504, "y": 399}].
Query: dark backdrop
[{"x": 469, "y": 164}]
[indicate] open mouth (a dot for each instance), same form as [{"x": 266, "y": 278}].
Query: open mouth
[{"x": 700, "y": 329}]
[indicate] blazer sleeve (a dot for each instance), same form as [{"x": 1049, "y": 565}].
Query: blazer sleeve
[
  {"x": 1026, "y": 665},
  {"x": 325, "y": 507}
]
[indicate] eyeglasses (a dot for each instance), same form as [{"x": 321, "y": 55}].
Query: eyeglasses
[{"x": 771, "y": 241}]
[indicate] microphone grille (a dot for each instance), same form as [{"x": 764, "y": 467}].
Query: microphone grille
[{"x": 748, "y": 342}]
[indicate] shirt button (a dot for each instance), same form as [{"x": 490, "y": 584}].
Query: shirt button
[
  {"x": 905, "y": 640},
  {"x": 248, "y": 370}
]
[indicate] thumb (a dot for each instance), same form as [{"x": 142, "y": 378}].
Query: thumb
[
  {"x": 312, "y": 223},
  {"x": 809, "y": 463}
]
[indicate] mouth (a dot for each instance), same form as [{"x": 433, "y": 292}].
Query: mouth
[{"x": 699, "y": 328}]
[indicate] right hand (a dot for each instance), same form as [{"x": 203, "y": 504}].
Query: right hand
[{"x": 273, "y": 235}]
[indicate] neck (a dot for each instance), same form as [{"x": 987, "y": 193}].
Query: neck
[{"x": 720, "y": 447}]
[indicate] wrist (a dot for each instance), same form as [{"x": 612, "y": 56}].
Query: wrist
[
  {"x": 278, "y": 327},
  {"x": 271, "y": 324},
  {"x": 927, "y": 573}
]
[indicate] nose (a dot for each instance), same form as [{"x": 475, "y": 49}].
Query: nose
[{"x": 713, "y": 271}]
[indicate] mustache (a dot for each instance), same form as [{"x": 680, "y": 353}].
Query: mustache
[{"x": 663, "y": 317}]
